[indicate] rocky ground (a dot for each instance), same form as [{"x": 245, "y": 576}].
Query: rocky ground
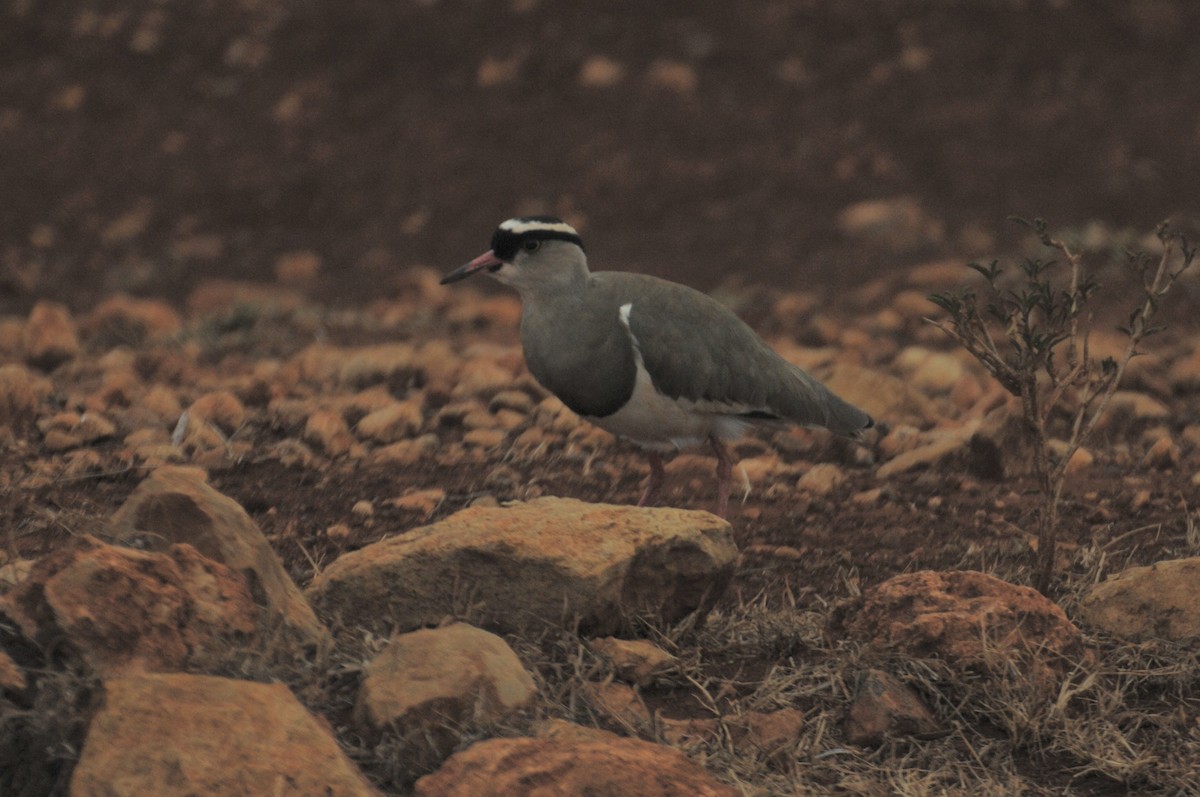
[
  {"x": 228, "y": 504},
  {"x": 260, "y": 471}
]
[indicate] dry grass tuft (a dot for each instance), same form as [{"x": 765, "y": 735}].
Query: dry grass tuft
[{"x": 1125, "y": 721}]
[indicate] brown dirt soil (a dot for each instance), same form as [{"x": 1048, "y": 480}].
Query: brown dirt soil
[{"x": 150, "y": 147}]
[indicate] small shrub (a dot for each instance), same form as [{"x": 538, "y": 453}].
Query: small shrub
[{"x": 1033, "y": 339}]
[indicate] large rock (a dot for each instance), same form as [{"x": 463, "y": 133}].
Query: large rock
[
  {"x": 1159, "y": 601},
  {"x": 437, "y": 678},
  {"x": 121, "y": 607},
  {"x": 566, "y": 768},
  {"x": 970, "y": 620},
  {"x": 176, "y": 505},
  {"x": 551, "y": 561},
  {"x": 180, "y": 735}
]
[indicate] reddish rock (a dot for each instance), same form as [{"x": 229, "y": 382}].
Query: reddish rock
[
  {"x": 1159, "y": 601},
  {"x": 1184, "y": 375},
  {"x": 484, "y": 438},
  {"x": 12, "y": 679},
  {"x": 179, "y": 735},
  {"x": 570, "y": 732},
  {"x": 760, "y": 471},
  {"x": 600, "y": 71},
  {"x": 673, "y": 76},
  {"x": 397, "y": 421},
  {"x": 120, "y": 606},
  {"x": 1133, "y": 405},
  {"x": 620, "y": 705},
  {"x": 21, "y": 393},
  {"x": 163, "y": 402},
  {"x": 933, "y": 372},
  {"x": 12, "y": 331},
  {"x": 201, "y": 439},
  {"x": 968, "y": 619},
  {"x": 772, "y": 733},
  {"x": 881, "y": 394},
  {"x": 562, "y": 768},
  {"x": 937, "y": 448},
  {"x": 883, "y": 705},
  {"x": 500, "y": 311},
  {"x": 406, "y": 452},
  {"x": 515, "y": 400},
  {"x": 81, "y": 463},
  {"x": 550, "y": 561},
  {"x": 216, "y": 296},
  {"x": 121, "y": 386},
  {"x": 422, "y": 503},
  {"x": 49, "y": 338},
  {"x": 691, "y": 733},
  {"x": 175, "y": 504},
  {"x": 299, "y": 269},
  {"x": 896, "y": 223},
  {"x": 70, "y": 430},
  {"x": 364, "y": 402},
  {"x": 1000, "y": 447},
  {"x": 1164, "y": 454},
  {"x": 435, "y": 679},
  {"x": 122, "y": 319},
  {"x": 220, "y": 408},
  {"x": 553, "y": 416},
  {"x": 482, "y": 377},
  {"x": 821, "y": 479},
  {"x": 635, "y": 660},
  {"x": 327, "y": 430},
  {"x": 372, "y": 365}
]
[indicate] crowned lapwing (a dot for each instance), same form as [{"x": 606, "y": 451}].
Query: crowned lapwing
[{"x": 653, "y": 362}]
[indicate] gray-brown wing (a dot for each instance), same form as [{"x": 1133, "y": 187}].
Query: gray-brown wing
[{"x": 697, "y": 349}]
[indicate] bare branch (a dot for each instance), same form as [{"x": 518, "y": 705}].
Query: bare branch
[{"x": 1036, "y": 319}]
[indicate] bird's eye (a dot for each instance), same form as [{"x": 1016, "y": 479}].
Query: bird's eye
[{"x": 531, "y": 246}]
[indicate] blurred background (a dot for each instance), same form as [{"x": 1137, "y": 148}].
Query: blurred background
[{"x": 146, "y": 145}]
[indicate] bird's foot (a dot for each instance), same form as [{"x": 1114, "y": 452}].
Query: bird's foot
[
  {"x": 724, "y": 476},
  {"x": 657, "y": 475}
]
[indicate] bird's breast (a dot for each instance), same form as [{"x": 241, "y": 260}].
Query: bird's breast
[{"x": 580, "y": 358}]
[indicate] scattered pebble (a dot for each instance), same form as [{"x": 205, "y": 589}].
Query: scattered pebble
[
  {"x": 821, "y": 479},
  {"x": 50, "y": 337},
  {"x": 600, "y": 72}
]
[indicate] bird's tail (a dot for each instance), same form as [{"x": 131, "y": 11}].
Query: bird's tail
[
  {"x": 822, "y": 407},
  {"x": 844, "y": 418}
]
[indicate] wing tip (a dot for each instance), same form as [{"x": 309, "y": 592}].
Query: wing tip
[{"x": 881, "y": 427}]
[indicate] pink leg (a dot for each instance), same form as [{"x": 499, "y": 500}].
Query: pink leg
[
  {"x": 724, "y": 475},
  {"x": 657, "y": 474}
]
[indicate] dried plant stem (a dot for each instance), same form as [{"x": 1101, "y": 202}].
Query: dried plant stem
[{"x": 1037, "y": 320}]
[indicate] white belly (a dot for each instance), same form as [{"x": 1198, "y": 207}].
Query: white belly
[{"x": 659, "y": 422}]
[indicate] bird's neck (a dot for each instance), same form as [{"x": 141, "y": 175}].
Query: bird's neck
[{"x": 560, "y": 287}]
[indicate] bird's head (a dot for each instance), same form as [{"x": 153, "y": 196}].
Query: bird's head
[{"x": 529, "y": 252}]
